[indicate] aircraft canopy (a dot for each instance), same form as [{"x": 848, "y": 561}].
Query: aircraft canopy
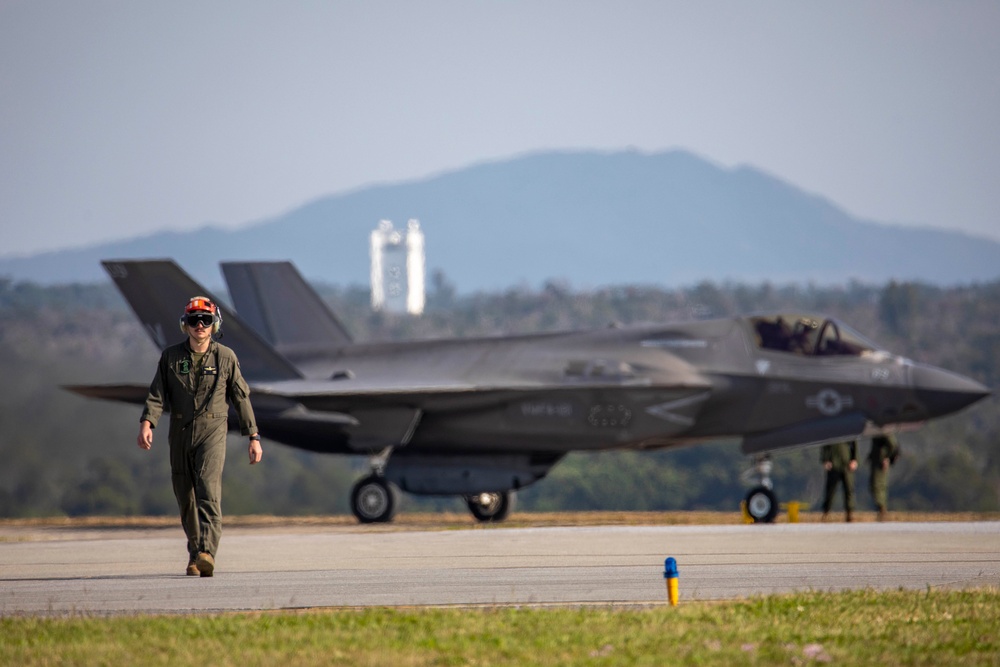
[{"x": 809, "y": 335}]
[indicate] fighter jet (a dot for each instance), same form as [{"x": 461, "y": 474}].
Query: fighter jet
[{"x": 481, "y": 418}]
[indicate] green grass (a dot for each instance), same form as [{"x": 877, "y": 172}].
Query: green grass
[{"x": 859, "y": 627}]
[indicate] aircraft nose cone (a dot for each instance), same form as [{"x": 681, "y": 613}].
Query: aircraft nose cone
[{"x": 943, "y": 392}]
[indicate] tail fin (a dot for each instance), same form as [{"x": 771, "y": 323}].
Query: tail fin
[
  {"x": 276, "y": 301},
  {"x": 157, "y": 291}
]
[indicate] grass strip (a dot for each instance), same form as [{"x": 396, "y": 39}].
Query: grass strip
[{"x": 932, "y": 627}]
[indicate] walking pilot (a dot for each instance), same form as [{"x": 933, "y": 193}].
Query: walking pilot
[{"x": 196, "y": 381}]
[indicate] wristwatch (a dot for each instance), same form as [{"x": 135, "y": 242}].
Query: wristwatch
[{"x": 255, "y": 436}]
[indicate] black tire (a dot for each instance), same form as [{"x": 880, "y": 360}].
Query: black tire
[
  {"x": 373, "y": 500},
  {"x": 497, "y": 507},
  {"x": 762, "y": 505}
]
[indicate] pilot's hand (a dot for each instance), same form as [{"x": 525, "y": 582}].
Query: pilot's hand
[
  {"x": 256, "y": 453},
  {"x": 885, "y": 464},
  {"x": 145, "y": 439},
  {"x": 853, "y": 466},
  {"x": 827, "y": 466}
]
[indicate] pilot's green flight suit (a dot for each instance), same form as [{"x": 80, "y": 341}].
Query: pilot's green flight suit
[
  {"x": 198, "y": 396},
  {"x": 884, "y": 451},
  {"x": 839, "y": 455}
]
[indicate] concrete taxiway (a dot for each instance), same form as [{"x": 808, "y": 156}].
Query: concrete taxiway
[{"x": 127, "y": 571}]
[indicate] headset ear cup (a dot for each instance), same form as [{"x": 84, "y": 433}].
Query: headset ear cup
[
  {"x": 217, "y": 320},
  {"x": 183, "y": 327}
]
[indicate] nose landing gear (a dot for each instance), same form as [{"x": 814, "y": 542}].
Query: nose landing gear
[{"x": 761, "y": 502}]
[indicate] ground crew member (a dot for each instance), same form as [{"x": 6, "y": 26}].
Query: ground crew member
[
  {"x": 884, "y": 452},
  {"x": 196, "y": 381},
  {"x": 840, "y": 460}
]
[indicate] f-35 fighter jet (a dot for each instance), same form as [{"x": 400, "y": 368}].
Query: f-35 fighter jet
[{"x": 483, "y": 417}]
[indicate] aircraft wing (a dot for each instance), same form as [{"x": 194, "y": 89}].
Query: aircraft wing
[
  {"x": 336, "y": 395},
  {"x": 351, "y": 387},
  {"x": 123, "y": 393},
  {"x": 395, "y": 384}
]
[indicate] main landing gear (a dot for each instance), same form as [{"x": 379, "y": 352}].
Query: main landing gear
[
  {"x": 491, "y": 507},
  {"x": 761, "y": 503},
  {"x": 374, "y": 499}
]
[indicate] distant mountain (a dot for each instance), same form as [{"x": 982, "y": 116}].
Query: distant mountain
[{"x": 588, "y": 218}]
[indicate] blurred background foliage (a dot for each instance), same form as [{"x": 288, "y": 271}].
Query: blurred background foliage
[{"x": 65, "y": 455}]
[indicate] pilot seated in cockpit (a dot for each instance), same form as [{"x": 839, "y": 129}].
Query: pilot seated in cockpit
[{"x": 774, "y": 335}]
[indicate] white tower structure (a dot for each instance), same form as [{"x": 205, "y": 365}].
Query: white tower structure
[
  {"x": 415, "y": 270},
  {"x": 397, "y": 268}
]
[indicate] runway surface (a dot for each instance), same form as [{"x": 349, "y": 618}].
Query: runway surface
[{"x": 128, "y": 571}]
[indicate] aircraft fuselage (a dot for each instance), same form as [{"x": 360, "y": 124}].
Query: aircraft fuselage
[{"x": 640, "y": 387}]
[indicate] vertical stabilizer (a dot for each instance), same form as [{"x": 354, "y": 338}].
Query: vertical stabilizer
[
  {"x": 284, "y": 309},
  {"x": 157, "y": 291}
]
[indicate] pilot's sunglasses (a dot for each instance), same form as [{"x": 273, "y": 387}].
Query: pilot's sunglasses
[{"x": 205, "y": 319}]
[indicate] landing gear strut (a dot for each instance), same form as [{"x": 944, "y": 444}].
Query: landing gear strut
[
  {"x": 374, "y": 499},
  {"x": 761, "y": 503}
]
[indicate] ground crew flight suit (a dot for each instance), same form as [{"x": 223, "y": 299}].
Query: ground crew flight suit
[
  {"x": 198, "y": 398},
  {"x": 884, "y": 451},
  {"x": 839, "y": 455}
]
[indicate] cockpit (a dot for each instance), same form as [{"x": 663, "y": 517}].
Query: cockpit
[{"x": 809, "y": 335}]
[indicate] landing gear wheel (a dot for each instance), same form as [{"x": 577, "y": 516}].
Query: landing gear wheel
[
  {"x": 762, "y": 504},
  {"x": 373, "y": 500},
  {"x": 491, "y": 507}
]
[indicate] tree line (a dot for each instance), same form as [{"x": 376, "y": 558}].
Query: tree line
[{"x": 65, "y": 455}]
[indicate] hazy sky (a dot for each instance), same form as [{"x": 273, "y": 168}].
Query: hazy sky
[{"x": 121, "y": 118}]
